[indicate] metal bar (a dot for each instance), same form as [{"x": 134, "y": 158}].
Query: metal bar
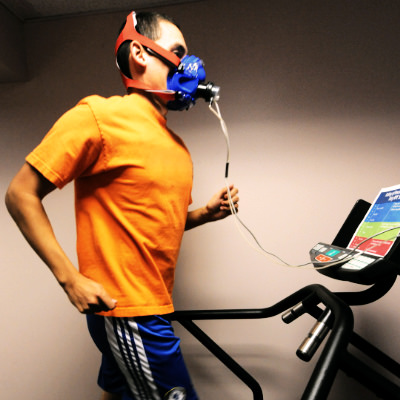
[
  {"x": 305, "y": 294},
  {"x": 373, "y": 293},
  {"x": 328, "y": 364}
]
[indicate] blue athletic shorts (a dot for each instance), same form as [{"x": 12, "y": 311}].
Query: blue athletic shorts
[{"x": 141, "y": 358}]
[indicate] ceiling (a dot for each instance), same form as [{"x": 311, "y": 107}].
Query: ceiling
[{"x": 27, "y": 10}]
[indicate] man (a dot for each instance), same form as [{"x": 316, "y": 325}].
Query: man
[{"x": 133, "y": 180}]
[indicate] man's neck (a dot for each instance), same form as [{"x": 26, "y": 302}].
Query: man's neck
[{"x": 157, "y": 102}]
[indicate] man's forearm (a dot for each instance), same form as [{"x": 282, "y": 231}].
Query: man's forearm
[
  {"x": 24, "y": 202},
  {"x": 28, "y": 213},
  {"x": 196, "y": 218}
]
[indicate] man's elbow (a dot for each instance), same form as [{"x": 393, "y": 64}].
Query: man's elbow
[
  {"x": 16, "y": 198},
  {"x": 27, "y": 186},
  {"x": 11, "y": 199}
]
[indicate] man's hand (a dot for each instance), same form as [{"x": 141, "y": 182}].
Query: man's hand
[
  {"x": 217, "y": 208},
  {"x": 88, "y": 296}
]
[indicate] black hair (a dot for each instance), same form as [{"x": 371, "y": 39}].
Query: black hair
[{"x": 147, "y": 25}]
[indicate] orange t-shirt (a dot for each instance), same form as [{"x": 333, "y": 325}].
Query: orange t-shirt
[{"x": 133, "y": 181}]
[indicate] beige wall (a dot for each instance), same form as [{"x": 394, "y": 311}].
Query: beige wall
[{"x": 310, "y": 96}]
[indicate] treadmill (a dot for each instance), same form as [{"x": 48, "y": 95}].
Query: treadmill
[{"x": 374, "y": 262}]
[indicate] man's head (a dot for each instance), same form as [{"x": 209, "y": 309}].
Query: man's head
[
  {"x": 148, "y": 25},
  {"x": 152, "y": 56}
]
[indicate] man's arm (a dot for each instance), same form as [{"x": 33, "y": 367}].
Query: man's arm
[
  {"x": 217, "y": 208},
  {"x": 24, "y": 202}
]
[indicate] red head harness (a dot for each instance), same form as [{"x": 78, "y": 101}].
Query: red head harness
[{"x": 130, "y": 33}]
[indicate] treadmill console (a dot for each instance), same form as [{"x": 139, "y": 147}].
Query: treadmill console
[
  {"x": 345, "y": 264},
  {"x": 358, "y": 264}
]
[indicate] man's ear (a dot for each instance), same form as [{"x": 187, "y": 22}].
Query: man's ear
[{"x": 137, "y": 57}]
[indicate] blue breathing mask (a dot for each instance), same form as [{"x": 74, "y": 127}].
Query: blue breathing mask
[{"x": 187, "y": 82}]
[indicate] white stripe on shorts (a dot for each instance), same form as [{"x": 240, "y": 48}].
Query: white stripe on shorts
[{"x": 127, "y": 346}]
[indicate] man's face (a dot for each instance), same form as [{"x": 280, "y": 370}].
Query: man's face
[{"x": 171, "y": 39}]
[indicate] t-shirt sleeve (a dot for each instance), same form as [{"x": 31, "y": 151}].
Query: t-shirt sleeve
[{"x": 72, "y": 148}]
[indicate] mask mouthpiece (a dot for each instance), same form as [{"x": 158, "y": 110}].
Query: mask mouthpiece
[{"x": 208, "y": 91}]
